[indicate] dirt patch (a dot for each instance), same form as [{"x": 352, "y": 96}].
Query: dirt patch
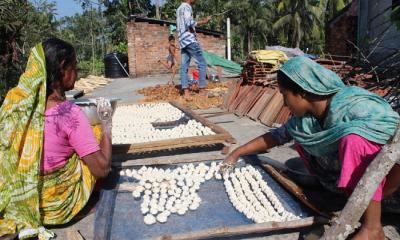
[{"x": 214, "y": 98}]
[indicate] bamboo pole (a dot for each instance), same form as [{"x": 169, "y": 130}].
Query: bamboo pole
[{"x": 364, "y": 191}]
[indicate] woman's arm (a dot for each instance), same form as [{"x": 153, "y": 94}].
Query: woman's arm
[
  {"x": 99, "y": 162},
  {"x": 259, "y": 144}
]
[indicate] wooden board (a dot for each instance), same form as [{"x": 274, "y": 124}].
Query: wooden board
[
  {"x": 221, "y": 136},
  {"x": 259, "y": 106},
  {"x": 261, "y": 91},
  {"x": 244, "y": 90},
  {"x": 283, "y": 115},
  {"x": 230, "y": 94},
  {"x": 241, "y": 110},
  {"x": 271, "y": 111},
  {"x": 256, "y": 228},
  {"x": 234, "y": 93},
  {"x": 165, "y": 160}
]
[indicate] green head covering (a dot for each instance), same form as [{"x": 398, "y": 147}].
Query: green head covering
[
  {"x": 352, "y": 110},
  {"x": 312, "y": 77}
]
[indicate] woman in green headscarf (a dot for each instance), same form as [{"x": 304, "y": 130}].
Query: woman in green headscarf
[{"x": 338, "y": 131}]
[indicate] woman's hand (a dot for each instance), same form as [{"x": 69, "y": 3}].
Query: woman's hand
[
  {"x": 256, "y": 145},
  {"x": 105, "y": 112},
  {"x": 104, "y": 109},
  {"x": 229, "y": 163},
  {"x": 232, "y": 159}
]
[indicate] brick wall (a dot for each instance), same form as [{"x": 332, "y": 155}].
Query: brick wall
[
  {"x": 148, "y": 42},
  {"x": 341, "y": 30}
]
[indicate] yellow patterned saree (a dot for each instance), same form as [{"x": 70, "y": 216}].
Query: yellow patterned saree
[{"x": 29, "y": 200}]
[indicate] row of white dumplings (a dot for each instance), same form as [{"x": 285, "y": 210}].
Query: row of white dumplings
[
  {"x": 133, "y": 124},
  {"x": 252, "y": 196},
  {"x": 148, "y": 112},
  {"x": 146, "y": 133},
  {"x": 167, "y": 192}
]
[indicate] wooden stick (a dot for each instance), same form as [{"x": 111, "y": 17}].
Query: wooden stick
[
  {"x": 245, "y": 229},
  {"x": 293, "y": 188},
  {"x": 73, "y": 234},
  {"x": 364, "y": 191}
]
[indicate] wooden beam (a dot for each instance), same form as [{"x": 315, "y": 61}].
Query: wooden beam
[
  {"x": 169, "y": 144},
  {"x": 245, "y": 229},
  {"x": 217, "y": 129},
  {"x": 165, "y": 160}
]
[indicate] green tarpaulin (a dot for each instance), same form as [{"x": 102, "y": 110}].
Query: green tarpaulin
[{"x": 228, "y": 66}]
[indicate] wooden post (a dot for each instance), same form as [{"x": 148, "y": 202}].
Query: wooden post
[{"x": 364, "y": 191}]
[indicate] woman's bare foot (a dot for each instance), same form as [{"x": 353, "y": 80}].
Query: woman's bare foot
[{"x": 366, "y": 233}]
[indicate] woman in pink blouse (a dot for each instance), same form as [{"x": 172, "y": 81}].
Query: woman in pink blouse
[{"x": 67, "y": 129}]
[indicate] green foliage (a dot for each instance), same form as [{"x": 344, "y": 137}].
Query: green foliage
[
  {"x": 115, "y": 22},
  {"x": 168, "y": 10},
  {"x": 122, "y": 47},
  {"x": 85, "y": 67},
  {"x": 302, "y": 21},
  {"x": 22, "y": 25},
  {"x": 84, "y": 32},
  {"x": 11, "y": 24},
  {"x": 252, "y": 20}
]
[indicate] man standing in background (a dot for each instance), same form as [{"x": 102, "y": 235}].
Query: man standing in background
[{"x": 186, "y": 28}]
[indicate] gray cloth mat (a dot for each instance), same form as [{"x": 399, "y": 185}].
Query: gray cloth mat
[{"x": 118, "y": 214}]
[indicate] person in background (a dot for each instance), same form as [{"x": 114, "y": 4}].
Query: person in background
[
  {"x": 338, "y": 130},
  {"x": 170, "y": 62},
  {"x": 50, "y": 156},
  {"x": 186, "y": 29}
]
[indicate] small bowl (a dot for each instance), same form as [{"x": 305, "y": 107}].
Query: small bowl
[{"x": 89, "y": 107}]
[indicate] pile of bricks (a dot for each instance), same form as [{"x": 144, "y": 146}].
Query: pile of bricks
[
  {"x": 259, "y": 73},
  {"x": 354, "y": 76}
]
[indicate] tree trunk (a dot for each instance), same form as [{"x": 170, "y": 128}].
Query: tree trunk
[
  {"x": 158, "y": 16},
  {"x": 265, "y": 40},
  {"x": 364, "y": 191},
  {"x": 297, "y": 41},
  {"x": 92, "y": 36},
  {"x": 249, "y": 41}
]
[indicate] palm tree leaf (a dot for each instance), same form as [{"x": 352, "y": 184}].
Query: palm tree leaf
[{"x": 282, "y": 22}]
